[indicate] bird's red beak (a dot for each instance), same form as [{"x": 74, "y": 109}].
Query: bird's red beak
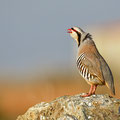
[{"x": 69, "y": 30}]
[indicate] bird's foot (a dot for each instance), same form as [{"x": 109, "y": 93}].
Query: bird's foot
[
  {"x": 91, "y": 91},
  {"x": 86, "y": 95}
]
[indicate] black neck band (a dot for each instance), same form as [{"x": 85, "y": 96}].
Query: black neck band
[{"x": 79, "y": 38}]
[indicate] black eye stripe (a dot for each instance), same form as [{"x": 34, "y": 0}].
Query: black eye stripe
[{"x": 75, "y": 31}]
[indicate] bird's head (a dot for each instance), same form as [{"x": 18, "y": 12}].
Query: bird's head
[{"x": 78, "y": 34}]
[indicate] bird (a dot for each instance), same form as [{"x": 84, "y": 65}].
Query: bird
[{"x": 91, "y": 65}]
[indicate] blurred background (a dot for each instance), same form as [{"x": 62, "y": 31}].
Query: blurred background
[{"x": 38, "y": 57}]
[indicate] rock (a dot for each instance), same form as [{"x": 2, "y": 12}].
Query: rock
[{"x": 95, "y": 107}]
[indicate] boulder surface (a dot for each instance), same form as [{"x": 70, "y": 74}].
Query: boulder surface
[{"x": 95, "y": 107}]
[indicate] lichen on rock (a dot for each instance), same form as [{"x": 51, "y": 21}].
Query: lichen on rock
[{"x": 95, "y": 107}]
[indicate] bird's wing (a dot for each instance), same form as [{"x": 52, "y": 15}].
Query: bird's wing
[{"x": 91, "y": 61}]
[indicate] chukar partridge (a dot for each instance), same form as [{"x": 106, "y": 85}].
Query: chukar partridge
[{"x": 91, "y": 65}]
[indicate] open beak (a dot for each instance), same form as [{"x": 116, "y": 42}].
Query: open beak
[{"x": 69, "y": 30}]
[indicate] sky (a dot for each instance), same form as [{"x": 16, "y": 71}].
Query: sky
[{"x": 33, "y": 33}]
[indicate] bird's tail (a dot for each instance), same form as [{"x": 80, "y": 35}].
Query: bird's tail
[{"x": 111, "y": 87}]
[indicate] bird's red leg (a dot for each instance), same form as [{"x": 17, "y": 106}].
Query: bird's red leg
[
  {"x": 90, "y": 92},
  {"x": 94, "y": 89}
]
